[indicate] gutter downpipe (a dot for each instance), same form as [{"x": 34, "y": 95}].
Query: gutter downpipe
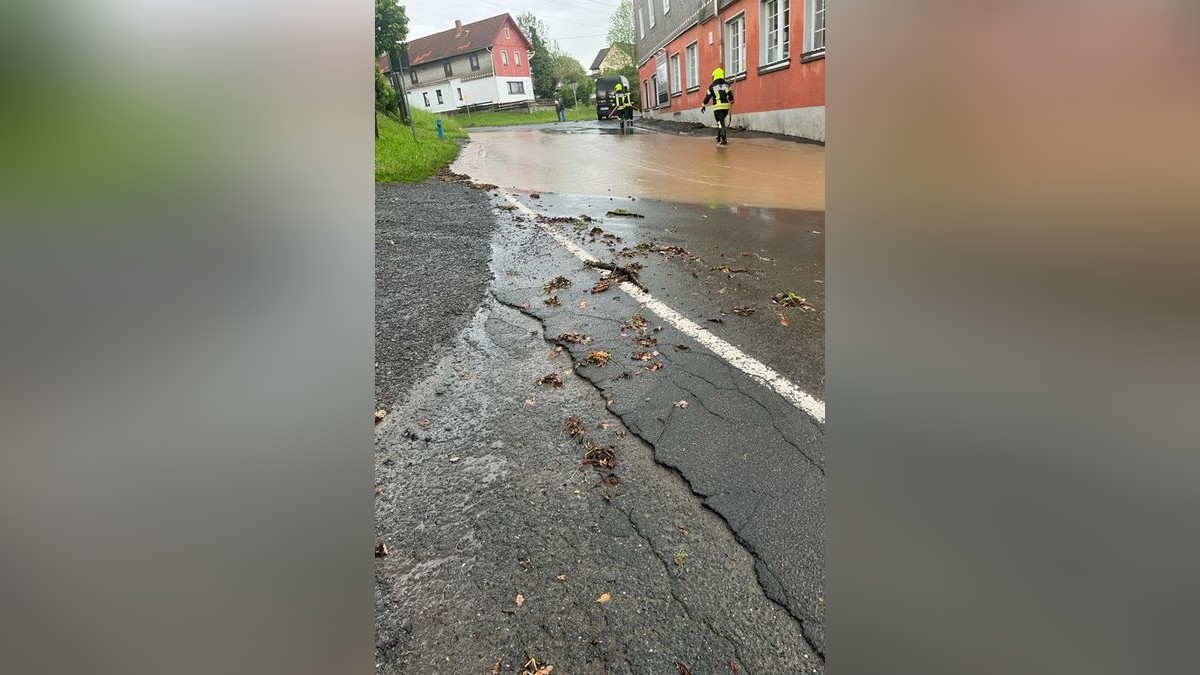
[{"x": 720, "y": 33}]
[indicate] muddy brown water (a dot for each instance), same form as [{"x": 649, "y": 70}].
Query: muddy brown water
[{"x": 591, "y": 158}]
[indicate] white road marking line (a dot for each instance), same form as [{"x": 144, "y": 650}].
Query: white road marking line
[{"x": 732, "y": 355}]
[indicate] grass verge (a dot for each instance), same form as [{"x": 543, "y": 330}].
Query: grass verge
[
  {"x": 400, "y": 158},
  {"x": 495, "y": 118}
]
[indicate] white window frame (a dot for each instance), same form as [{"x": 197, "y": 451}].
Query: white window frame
[
  {"x": 776, "y": 45},
  {"x": 693, "y": 66},
  {"x": 520, "y": 85},
  {"x": 733, "y": 49},
  {"x": 425, "y": 95},
  {"x": 666, "y": 6},
  {"x": 676, "y": 74},
  {"x": 811, "y": 48},
  {"x": 641, "y": 25},
  {"x": 507, "y": 35},
  {"x": 438, "y": 92},
  {"x": 503, "y": 58},
  {"x": 516, "y": 57},
  {"x": 650, "y": 11},
  {"x": 474, "y": 61}
]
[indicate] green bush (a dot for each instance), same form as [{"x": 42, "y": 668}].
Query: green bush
[{"x": 386, "y": 100}]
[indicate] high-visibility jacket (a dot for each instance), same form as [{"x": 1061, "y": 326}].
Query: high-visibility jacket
[
  {"x": 624, "y": 99},
  {"x": 720, "y": 94}
]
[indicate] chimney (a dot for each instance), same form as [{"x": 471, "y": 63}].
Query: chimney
[{"x": 458, "y": 27}]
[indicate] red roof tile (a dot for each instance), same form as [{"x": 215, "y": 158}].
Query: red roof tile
[{"x": 474, "y": 36}]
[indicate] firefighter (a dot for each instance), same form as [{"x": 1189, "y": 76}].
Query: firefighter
[
  {"x": 624, "y": 106},
  {"x": 720, "y": 94}
]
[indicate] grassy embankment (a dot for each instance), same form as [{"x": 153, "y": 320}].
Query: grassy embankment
[
  {"x": 399, "y": 158},
  {"x": 494, "y": 118}
]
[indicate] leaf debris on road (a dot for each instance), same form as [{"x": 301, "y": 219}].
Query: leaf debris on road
[
  {"x": 552, "y": 379},
  {"x": 619, "y": 211},
  {"x": 636, "y": 322},
  {"x": 604, "y": 597},
  {"x": 616, "y": 275},
  {"x": 556, "y": 284},
  {"x": 381, "y": 549},
  {"x": 790, "y": 299},
  {"x": 597, "y": 358},
  {"x": 520, "y": 600},
  {"x": 553, "y": 301},
  {"x": 745, "y": 311},
  {"x": 574, "y": 338}
]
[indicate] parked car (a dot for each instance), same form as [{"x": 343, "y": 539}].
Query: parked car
[{"x": 606, "y": 88}]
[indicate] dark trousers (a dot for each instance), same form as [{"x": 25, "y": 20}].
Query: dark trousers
[{"x": 721, "y": 116}]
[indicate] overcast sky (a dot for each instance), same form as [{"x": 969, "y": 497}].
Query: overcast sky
[{"x": 579, "y": 26}]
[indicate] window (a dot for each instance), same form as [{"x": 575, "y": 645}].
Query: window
[
  {"x": 425, "y": 95},
  {"x": 448, "y": 69},
  {"x": 517, "y": 57},
  {"x": 666, "y": 6},
  {"x": 814, "y": 27},
  {"x": 439, "y": 96},
  {"x": 474, "y": 62},
  {"x": 460, "y": 94},
  {"x": 641, "y": 25},
  {"x": 650, "y": 12},
  {"x": 645, "y": 94},
  {"x": 693, "y": 65},
  {"x": 676, "y": 75},
  {"x": 516, "y": 87},
  {"x": 735, "y": 46},
  {"x": 507, "y": 35},
  {"x": 503, "y": 57},
  {"x": 412, "y": 75},
  {"x": 775, "y": 30}
]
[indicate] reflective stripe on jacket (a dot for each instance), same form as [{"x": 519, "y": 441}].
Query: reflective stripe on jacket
[{"x": 720, "y": 94}]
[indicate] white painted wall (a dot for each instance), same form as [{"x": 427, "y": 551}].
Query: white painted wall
[
  {"x": 502, "y": 95},
  {"x": 802, "y": 122},
  {"x": 476, "y": 91}
]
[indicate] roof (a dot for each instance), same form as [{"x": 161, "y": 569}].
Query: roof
[
  {"x": 474, "y": 37},
  {"x": 599, "y": 59}
]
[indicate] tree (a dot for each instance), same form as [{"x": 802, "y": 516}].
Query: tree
[
  {"x": 542, "y": 61},
  {"x": 391, "y": 26},
  {"x": 569, "y": 70},
  {"x": 621, "y": 30}
]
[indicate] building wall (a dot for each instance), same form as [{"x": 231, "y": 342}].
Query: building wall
[
  {"x": 435, "y": 73},
  {"x": 475, "y": 91},
  {"x": 788, "y": 100},
  {"x": 514, "y": 42}
]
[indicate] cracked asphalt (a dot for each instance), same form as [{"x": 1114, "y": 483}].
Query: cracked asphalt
[{"x": 705, "y": 540}]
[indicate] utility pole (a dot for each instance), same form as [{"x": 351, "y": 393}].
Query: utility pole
[{"x": 398, "y": 67}]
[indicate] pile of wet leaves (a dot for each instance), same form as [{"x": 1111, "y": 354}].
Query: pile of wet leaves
[{"x": 461, "y": 179}]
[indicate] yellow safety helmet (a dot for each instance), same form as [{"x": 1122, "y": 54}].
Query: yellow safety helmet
[
  {"x": 618, "y": 86},
  {"x": 719, "y": 74}
]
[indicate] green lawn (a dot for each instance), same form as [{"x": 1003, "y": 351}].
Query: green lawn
[
  {"x": 493, "y": 118},
  {"x": 399, "y": 158}
]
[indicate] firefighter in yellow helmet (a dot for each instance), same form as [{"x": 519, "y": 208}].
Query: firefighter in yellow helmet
[
  {"x": 624, "y": 106},
  {"x": 720, "y": 94}
]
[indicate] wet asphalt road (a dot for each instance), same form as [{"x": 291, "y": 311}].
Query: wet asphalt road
[{"x": 708, "y": 533}]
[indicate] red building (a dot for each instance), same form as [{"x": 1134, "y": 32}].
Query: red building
[
  {"x": 772, "y": 51},
  {"x": 472, "y": 64}
]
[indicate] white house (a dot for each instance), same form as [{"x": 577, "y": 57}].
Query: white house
[{"x": 486, "y": 62}]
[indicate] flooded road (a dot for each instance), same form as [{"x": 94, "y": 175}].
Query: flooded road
[{"x": 592, "y": 158}]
